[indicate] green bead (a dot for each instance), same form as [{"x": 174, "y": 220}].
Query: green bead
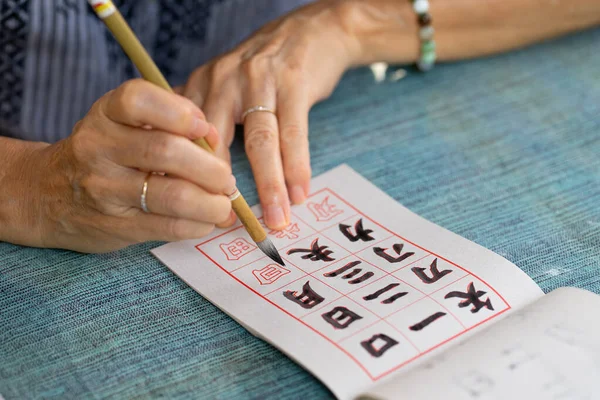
[
  {"x": 428, "y": 46},
  {"x": 428, "y": 58}
]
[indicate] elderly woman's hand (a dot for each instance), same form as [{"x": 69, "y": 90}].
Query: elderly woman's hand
[
  {"x": 287, "y": 66},
  {"x": 84, "y": 192}
]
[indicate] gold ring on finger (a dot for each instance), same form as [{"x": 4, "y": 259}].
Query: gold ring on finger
[
  {"x": 257, "y": 109},
  {"x": 144, "y": 195}
]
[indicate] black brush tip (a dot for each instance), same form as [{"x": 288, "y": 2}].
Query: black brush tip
[{"x": 270, "y": 250}]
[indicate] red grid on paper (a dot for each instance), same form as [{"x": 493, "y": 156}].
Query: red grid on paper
[{"x": 312, "y": 275}]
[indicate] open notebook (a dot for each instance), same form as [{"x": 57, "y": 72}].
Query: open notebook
[{"x": 380, "y": 303}]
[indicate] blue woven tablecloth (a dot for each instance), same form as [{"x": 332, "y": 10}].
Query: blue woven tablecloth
[{"x": 503, "y": 151}]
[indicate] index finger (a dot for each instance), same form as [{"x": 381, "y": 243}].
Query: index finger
[
  {"x": 139, "y": 103},
  {"x": 261, "y": 138}
]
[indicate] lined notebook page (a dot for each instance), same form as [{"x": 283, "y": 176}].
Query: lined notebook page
[{"x": 549, "y": 350}]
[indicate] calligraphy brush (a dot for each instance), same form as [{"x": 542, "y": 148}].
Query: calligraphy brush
[{"x": 115, "y": 22}]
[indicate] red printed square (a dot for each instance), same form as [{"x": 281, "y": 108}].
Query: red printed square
[
  {"x": 235, "y": 249},
  {"x": 357, "y": 233},
  {"x": 265, "y": 276},
  {"x": 470, "y": 300},
  {"x": 313, "y": 253},
  {"x": 340, "y": 319},
  {"x": 304, "y": 296},
  {"x": 385, "y": 296},
  {"x": 426, "y": 324},
  {"x": 323, "y": 209},
  {"x": 349, "y": 274},
  {"x": 295, "y": 231},
  {"x": 392, "y": 254},
  {"x": 430, "y": 274},
  {"x": 379, "y": 349}
]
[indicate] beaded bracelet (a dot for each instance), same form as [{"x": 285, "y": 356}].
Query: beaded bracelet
[{"x": 427, "y": 57}]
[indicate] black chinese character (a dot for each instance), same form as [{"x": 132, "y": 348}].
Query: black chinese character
[
  {"x": 374, "y": 349},
  {"x": 307, "y": 299},
  {"x": 361, "y": 233},
  {"x": 397, "y": 248},
  {"x": 471, "y": 297},
  {"x": 351, "y": 274},
  {"x": 362, "y": 278},
  {"x": 436, "y": 275},
  {"x": 341, "y": 270},
  {"x": 315, "y": 253},
  {"x": 419, "y": 326},
  {"x": 344, "y": 318},
  {"x": 393, "y": 298},
  {"x": 381, "y": 291}
]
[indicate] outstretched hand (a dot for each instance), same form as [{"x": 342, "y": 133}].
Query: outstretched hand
[{"x": 287, "y": 66}]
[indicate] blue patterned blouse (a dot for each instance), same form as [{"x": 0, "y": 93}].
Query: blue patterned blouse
[{"x": 57, "y": 58}]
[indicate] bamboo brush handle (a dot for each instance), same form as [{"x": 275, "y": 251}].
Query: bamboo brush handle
[
  {"x": 247, "y": 217},
  {"x": 115, "y": 22},
  {"x": 140, "y": 57}
]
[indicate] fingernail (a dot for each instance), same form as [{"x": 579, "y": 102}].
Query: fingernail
[
  {"x": 275, "y": 217},
  {"x": 297, "y": 195},
  {"x": 200, "y": 128},
  {"x": 231, "y": 185}
]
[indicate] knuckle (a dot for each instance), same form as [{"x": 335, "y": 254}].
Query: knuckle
[
  {"x": 260, "y": 137},
  {"x": 192, "y": 109},
  {"x": 195, "y": 79},
  {"x": 161, "y": 147},
  {"x": 78, "y": 125},
  {"x": 176, "y": 197},
  {"x": 295, "y": 76},
  {"x": 222, "y": 170},
  {"x": 272, "y": 46},
  {"x": 294, "y": 72},
  {"x": 99, "y": 105},
  {"x": 256, "y": 66},
  {"x": 83, "y": 145},
  {"x": 129, "y": 95},
  {"x": 347, "y": 14},
  {"x": 92, "y": 190},
  {"x": 222, "y": 209},
  {"x": 219, "y": 75},
  {"x": 270, "y": 188},
  {"x": 296, "y": 172},
  {"x": 292, "y": 133},
  {"x": 203, "y": 230},
  {"x": 223, "y": 68},
  {"x": 178, "y": 229}
]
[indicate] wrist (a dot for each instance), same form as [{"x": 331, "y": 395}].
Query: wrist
[
  {"x": 19, "y": 217},
  {"x": 381, "y": 30}
]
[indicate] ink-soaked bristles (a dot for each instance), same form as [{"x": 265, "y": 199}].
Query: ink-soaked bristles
[{"x": 269, "y": 249}]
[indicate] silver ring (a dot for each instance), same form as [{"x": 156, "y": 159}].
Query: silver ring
[
  {"x": 256, "y": 109},
  {"x": 144, "y": 194}
]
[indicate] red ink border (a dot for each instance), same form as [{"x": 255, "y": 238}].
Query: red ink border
[{"x": 383, "y": 374}]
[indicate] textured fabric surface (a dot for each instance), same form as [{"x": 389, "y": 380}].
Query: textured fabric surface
[{"x": 503, "y": 151}]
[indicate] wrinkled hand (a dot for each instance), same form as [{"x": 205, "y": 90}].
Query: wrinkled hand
[
  {"x": 85, "y": 190},
  {"x": 287, "y": 66}
]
